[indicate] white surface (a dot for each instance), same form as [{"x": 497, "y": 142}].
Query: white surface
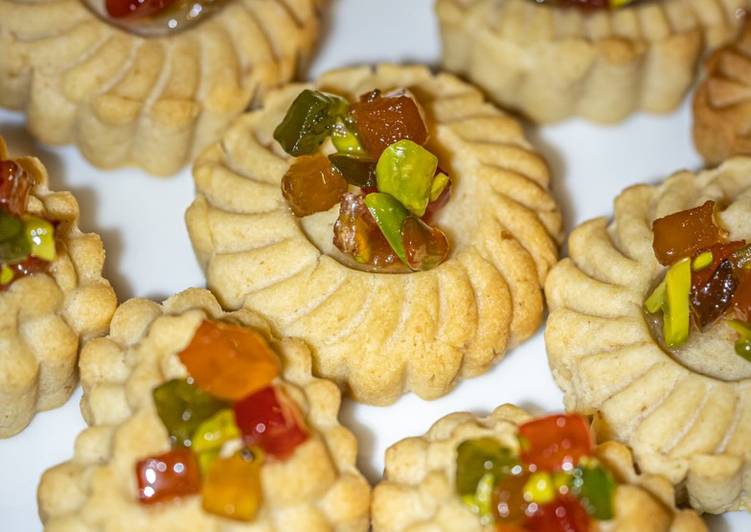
[{"x": 149, "y": 254}]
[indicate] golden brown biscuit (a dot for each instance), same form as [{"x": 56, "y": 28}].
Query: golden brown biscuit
[
  {"x": 381, "y": 335},
  {"x": 150, "y": 102},
  {"x": 46, "y": 317},
  {"x": 317, "y": 488},
  {"x": 686, "y": 415},
  {"x": 722, "y": 103},
  {"x": 551, "y": 63},
  {"x": 418, "y": 491}
]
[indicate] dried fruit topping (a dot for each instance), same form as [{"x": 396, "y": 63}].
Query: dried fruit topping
[
  {"x": 309, "y": 121},
  {"x": 167, "y": 476},
  {"x": 15, "y": 185},
  {"x": 684, "y": 233},
  {"x": 214, "y": 432},
  {"x": 40, "y": 234},
  {"x": 406, "y": 171},
  {"x": 356, "y": 169},
  {"x": 565, "y": 514},
  {"x": 229, "y": 361},
  {"x": 425, "y": 247},
  {"x": 182, "y": 408},
  {"x": 390, "y": 215},
  {"x": 232, "y": 486},
  {"x": 136, "y": 8},
  {"x": 14, "y": 246},
  {"x": 742, "y": 295},
  {"x": 595, "y": 487},
  {"x": 384, "y": 120},
  {"x": 710, "y": 300},
  {"x": 438, "y": 200},
  {"x": 555, "y": 443},
  {"x": 312, "y": 184},
  {"x": 478, "y": 457},
  {"x": 270, "y": 420},
  {"x": 509, "y": 503},
  {"x": 706, "y": 262},
  {"x": 17, "y": 270}
]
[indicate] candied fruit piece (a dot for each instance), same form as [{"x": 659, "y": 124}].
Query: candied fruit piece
[
  {"x": 17, "y": 270},
  {"x": 717, "y": 254},
  {"x": 477, "y": 457},
  {"x": 384, "y": 120},
  {"x": 271, "y": 420},
  {"x": 182, "y": 407},
  {"x": 555, "y": 443},
  {"x": 389, "y": 214},
  {"x": 15, "y": 185},
  {"x": 406, "y": 170},
  {"x": 232, "y": 486},
  {"x": 676, "y": 320},
  {"x": 214, "y": 432},
  {"x": 357, "y": 170},
  {"x": 683, "y": 233},
  {"x": 425, "y": 247},
  {"x": 742, "y": 294},
  {"x": 481, "y": 501},
  {"x": 312, "y": 184},
  {"x": 136, "y": 8},
  {"x": 565, "y": 514},
  {"x": 229, "y": 361},
  {"x": 595, "y": 488},
  {"x": 309, "y": 121},
  {"x": 356, "y": 234},
  {"x": 40, "y": 235},
  {"x": 509, "y": 504},
  {"x": 539, "y": 488},
  {"x": 710, "y": 300},
  {"x": 437, "y": 203},
  {"x": 14, "y": 246},
  {"x": 167, "y": 476}
]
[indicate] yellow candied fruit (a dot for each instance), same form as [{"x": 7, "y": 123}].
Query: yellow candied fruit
[
  {"x": 41, "y": 237},
  {"x": 6, "y": 274},
  {"x": 540, "y": 488},
  {"x": 232, "y": 486}
]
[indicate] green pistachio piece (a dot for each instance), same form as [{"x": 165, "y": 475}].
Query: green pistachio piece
[
  {"x": 345, "y": 139},
  {"x": 14, "y": 247},
  {"x": 703, "y": 260},
  {"x": 309, "y": 121},
  {"x": 389, "y": 214},
  {"x": 440, "y": 183},
  {"x": 40, "y": 234},
  {"x": 656, "y": 300},
  {"x": 406, "y": 170},
  {"x": 676, "y": 317}
]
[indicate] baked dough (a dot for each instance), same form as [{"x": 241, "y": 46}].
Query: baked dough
[
  {"x": 551, "y": 63},
  {"x": 418, "y": 494},
  {"x": 722, "y": 104},
  {"x": 318, "y": 488},
  {"x": 381, "y": 335},
  {"x": 686, "y": 416},
  {"x": 154, "y": 103},
  {"x": 44, "y": 318}
]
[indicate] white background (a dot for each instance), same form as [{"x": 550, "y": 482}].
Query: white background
[{"x": 148, "y": 251}]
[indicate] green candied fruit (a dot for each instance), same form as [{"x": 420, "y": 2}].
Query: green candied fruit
[
  {"x": 478, "y": 457},
  {"x": 215, "y": 431},
  {"x": 595, "y": 488},
  {"x": 389, "y": 214},
  {"x": 406, "y": 171},
  {"x": 345, "y": 139},
  {"x": 675, "y": 312},
  {"x": 357, "y": 170},
  {"x": 40, "y": 234},
  {"x": 13, "y": 244},
  {"x": 481, "y": 501},
  {"x": 440, "y": 183},
  {"x": 182, "y": 408},
  {"x": 309, "y": 120}
]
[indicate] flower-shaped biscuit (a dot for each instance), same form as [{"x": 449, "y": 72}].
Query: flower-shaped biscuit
[
  {"x": 722, "y": 103},
  {"x": 419, "y": 491},
  {"x": 317, "y": 487},
  {"x": 154, "y": 102},
  {"x": 48, "y": 308},
  {"x": 685, "y": 411},
  {"x": 382, "y": 334},
  {"x": 552, "y": 61}
]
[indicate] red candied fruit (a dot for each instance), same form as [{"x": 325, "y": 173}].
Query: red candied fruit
[
  {"x": 136, "y": 8},
  {"x": 384, "y": 120},
  {"x": 15, "y": 185},
  {"x": 270, "y": 420},
  {"x": 26, "y": 267},
  {"x": 555, "y": 443},
  {"x": 565, "y": 514},
  {"x": 509, "y": 505},
  {"x": 683, "y": 233},
  {"x": 168, "y": 476}
]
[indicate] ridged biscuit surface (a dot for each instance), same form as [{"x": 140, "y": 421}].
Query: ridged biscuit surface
[{"x": 383, "y": 334}]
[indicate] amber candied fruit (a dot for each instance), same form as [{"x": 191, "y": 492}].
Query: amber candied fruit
[
  {"x": 312, "y": 184},
  {"x": 719, "y": 252},
  {"x": 168, "y": 476},
  {"x": 509, "y": 504},
  {"x": 425, "y": 246},
  {"x": 232, "y": 486},
  {"x": 15, "y": 185},
  {"x": 384, "y": 120},
  {"x": 683, "y": 233}
]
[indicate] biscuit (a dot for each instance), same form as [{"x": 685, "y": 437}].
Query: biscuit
[{"x": 380, "y": 335}]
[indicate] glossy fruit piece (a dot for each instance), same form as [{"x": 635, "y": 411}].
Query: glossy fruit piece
[
  {"x": 357, "y": 234},
  {"x": 136, "y": 8},
  {"x": 481, "y": 501},
  {"x": 40, "y": 234},
  {"x": 389, "y": 214},
  {"x": 309, "y": 121},
  {"x": 742, "y": 258},
  {"x": 357, "y": 170},
  {"x": 743, "y": 344},
  {"x": 272, "y": 421},
  {"x": 14, "y": 246},
  {"x": 312, "y": 184},
  {"x": 182, "y": 407},
  {"x": 215, "y": 432},
  {"x": 702, "y": 261},
  {"x": 6, "y": 274},
  {"x": 12, "y": 272},
  {"x": 479, "y": 456},
  {"x": 229, "y": 361},
  {"x": 742, "y": 294},
  {"x": 406, "y": 170},
  {"x": 683, "y": 233},
  {"x": 509, "y": 504},
  {"x": 710, "y": 300},
  {"x": 438, "y": 203},
  {"x": 167, "y": 476},
  {"x": 718, "y": 253},
  {"x": 675, "y": 312},
  {"x": 565, "y": 514},
  {"x": 595, "y": 488},
  {"x": 384, "y": 120},
  {"x": 555, "y": 443},
  {"x": 539, "y": 488},
  {"x": 232, "y": 486},
  {"x": 425, "y": 247},
  {"x": 345, "y": 139},
  {"x": 15, "y": 185}
]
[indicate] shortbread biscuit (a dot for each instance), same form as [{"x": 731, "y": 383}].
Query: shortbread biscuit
[
  {"x": 150, "y": 102},
  {"x": 686, "y": 416},
  {"x": 46, "y": 317},
  {"x": 377, "y": 334},
  {"x": 317, "y": 488},
  {"x": 722, "y": 103},
  {"x": 417, "y": 492},
  {"x": 551, "y": 62}
]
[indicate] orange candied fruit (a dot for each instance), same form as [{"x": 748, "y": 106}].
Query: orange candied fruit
[
  {"x": 555, "y": 443},
  {"x": 229, "y": 361},
  {"x": 683, "y": 233},
  {"x": 312, "y": 184}
]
